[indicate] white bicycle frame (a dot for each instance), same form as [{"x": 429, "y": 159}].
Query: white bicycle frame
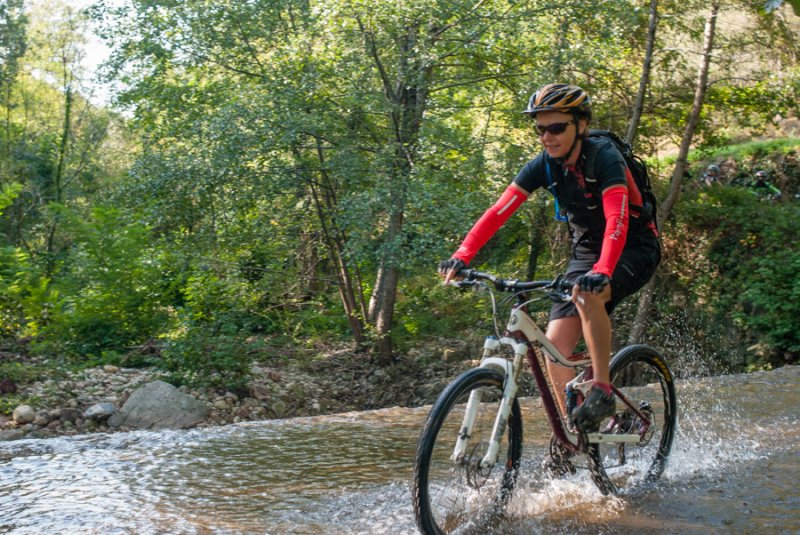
[{"x": 520, "y": 321}]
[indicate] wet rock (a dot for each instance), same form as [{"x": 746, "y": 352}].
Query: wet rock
[
  {"x": 11, "y": 434},
  {"x": 42, "y": 418},
  {"x": 159, "y": 405},
  {"x": 279, "y": 408},
  {"x": 68, "y": 414},
  {"x": 24, "y": 414},
  {"x": 222, "y": 405},
  {"x": 100, "y": 411},
  {"x": 40, "y": 433}
]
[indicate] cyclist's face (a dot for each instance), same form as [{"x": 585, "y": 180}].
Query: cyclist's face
[{"x": 557, "y": 145}]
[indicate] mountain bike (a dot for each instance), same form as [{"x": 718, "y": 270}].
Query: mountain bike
[{"x": 469, "y": 451}]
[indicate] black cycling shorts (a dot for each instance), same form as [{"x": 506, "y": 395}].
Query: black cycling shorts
[{"x": 636, "y": 266}]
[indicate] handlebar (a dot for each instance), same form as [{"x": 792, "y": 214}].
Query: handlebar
[{"x": 558, "y": 289}]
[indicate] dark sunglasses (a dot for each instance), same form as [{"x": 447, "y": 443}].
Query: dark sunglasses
[{"x": 555, "y": 128}]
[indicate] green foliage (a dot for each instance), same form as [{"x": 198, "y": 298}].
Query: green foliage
[
  {"x": 429, "y": 309},
  {"x": 350, "y": 138},
  {"x": 110, "y": 285},
  {"x": 750, "y": 267},
  {"x": 26, "y": 302},
  {"x": 751, "y": 150},
  {"x": 10, "y": 402},
  {"x": 8, "y": 192},
  {"x": 22, "y": 373},
  {"x": 203, "y": 357}
]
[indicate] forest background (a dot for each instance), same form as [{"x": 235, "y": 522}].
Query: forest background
[{"x": 280, "y": 177}]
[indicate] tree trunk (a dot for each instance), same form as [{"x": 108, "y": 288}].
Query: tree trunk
[
  {"x": 384, "y": 295},
  {"x": 325, "y": 200},
  {"x": 647, "y": 296},
  {"x": 638, "y": 105},
  {"x": 536, "y": 234},
  {"x": 407, "y": 99},
  {"x": 57, "y": 194}
]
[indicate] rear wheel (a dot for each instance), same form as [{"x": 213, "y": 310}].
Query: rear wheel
[
  {"x": 646, "y": 381},
  {"x": 451, "y": 494}
]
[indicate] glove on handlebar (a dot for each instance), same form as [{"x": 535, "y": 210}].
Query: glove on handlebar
[
  {"x": 593, "y": 282},
  {"x": 453, "y": 263}
]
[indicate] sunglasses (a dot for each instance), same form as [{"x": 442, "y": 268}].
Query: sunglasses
[{"x": 554, "y": 128}]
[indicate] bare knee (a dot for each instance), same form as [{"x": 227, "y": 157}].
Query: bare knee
[
  {"x": 591, "y": 304},
  {"x": 564, "y": 333}
]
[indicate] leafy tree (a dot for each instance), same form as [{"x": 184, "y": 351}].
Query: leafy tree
[
  {"x": 13, "y": 42},
  {"x": 292, "y": 151},
  {"x": 110, "y": 289}
]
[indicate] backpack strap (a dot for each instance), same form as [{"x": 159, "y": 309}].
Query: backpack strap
[
  {"x": 551, "y": 187},
  {"x": 603, "y": 138}
]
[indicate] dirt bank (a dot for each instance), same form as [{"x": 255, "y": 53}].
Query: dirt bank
[{"x": 337, "y": 380}]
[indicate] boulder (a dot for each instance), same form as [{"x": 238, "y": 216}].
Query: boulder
[
  {"x": 100, "y": 411},
  {"x": 11, "y": 434},
  {"x": 68, "y": 414},
  {"x": 24, "y": 414},
  {"x": 159, "y": 405}
]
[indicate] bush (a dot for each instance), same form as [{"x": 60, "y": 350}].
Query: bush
[
  {"x": 750, "y": 265},
  {"x": 204, "y": 358},
  {"x": 111, "y": 283}
]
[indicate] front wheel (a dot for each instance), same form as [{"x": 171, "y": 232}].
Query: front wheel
[
  {"x": 450, "y": 494},
  {"x": 646, "y": 382}
]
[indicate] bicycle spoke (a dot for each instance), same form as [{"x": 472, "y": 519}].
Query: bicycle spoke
[
  {"x": 646, "y": 422},
  {"x": 451, "y": 494}
]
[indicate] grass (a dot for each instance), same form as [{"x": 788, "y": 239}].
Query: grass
[
  {"x": 22, "y": 373},
  {"x": 742, "y": 150}
]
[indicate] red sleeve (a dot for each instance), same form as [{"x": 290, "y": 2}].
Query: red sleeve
[
  {"x": 490, "y": 222},
  {"x": 615, "y": 208}
]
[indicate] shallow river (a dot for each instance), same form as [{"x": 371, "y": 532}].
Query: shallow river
[{"x": 734, "y": 468}]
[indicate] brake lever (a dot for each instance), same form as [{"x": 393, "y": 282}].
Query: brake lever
[{"x": 561, "y": 290}]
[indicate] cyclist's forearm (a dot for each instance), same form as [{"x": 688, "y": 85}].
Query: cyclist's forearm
[
  {"x": 490, "y": 222},
  {"x": 615, "y": 208}
]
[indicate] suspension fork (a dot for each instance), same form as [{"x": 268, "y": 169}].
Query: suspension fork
[{"x": 511, "y": 372}]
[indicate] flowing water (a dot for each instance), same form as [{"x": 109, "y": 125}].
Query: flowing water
[{"x": 734, "y": 468}]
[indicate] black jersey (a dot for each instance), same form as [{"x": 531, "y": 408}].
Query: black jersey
[{"x": 578, "y": 197}]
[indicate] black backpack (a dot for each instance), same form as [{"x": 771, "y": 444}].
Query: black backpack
[{"x": 644, "y": 205}]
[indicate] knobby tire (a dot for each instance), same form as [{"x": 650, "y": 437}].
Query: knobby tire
[
  {"x": 449, "y": 495},
  {"x": 643, "y": 375}
]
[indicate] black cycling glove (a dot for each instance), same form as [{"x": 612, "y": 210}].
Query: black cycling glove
[
  {"x": 453, "y": 263},
  {"x": 593, "y": 282}
]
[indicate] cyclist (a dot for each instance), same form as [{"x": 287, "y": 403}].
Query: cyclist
[
  {"x": 712, "y": 175},
  {"x": 614, "y": 253},
  {"x": 762, "y": 187}
]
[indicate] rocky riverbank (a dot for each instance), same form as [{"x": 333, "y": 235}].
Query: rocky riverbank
[{"x": 338, "y": 381}]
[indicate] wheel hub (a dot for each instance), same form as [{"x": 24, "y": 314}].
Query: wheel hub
[{"x": 477, "y": 475}]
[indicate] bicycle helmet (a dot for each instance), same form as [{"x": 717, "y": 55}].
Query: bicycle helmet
[
  {"x": 713, "y": 169},
  {"x": 762, "y": 175},
  {"x": 561, "y": 97}
]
